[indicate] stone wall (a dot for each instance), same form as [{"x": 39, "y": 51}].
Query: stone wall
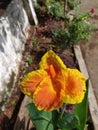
[{"x": 14, "y": 27}]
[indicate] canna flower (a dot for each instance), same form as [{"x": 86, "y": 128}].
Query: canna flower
[{"x": 53, "y": 84}]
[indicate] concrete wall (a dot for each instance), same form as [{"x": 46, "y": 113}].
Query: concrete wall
[{"x": 14, "y": 27}]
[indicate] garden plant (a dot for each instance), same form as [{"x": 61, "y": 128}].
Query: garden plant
[{"x": 59, "y": 93}]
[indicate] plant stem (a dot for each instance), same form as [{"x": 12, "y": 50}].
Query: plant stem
[
  {"x": 65, "y": 6},
  {"x": 63, "y": 110}
]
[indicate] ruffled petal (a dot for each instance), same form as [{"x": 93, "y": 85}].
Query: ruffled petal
[
  {"x": 75, "y": 87},
  {"x": 50, "y": 58},
  {"x": 47, "y": 97},
  {"x": 31, "y": 81}
]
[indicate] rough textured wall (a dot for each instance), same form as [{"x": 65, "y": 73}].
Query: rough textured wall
[
  {"x": 13, "y": 34},
  {"x": 4, "y": 3}
]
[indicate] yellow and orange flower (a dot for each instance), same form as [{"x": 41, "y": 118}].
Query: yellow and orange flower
[
  {"x": 53, "y": 83},
  {"x": 75, "y": 87}
]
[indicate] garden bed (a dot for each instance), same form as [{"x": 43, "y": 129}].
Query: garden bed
[
  {"x": 15, "y": 112},
  {"x": 42, "y": 39},
  {"x": 15, "y": 108},
  {"x": 34, "y": 50}
]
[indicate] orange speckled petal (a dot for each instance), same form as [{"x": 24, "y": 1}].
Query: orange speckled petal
[
  {"x": 31, "y": 81},
  {"x": 50, "y": 58},
  {"x": 46, "y": 97},
  {"x": 75, "y": 87}
]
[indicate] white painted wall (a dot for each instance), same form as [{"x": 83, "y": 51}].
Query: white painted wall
[{"x": 14, "y": 27}]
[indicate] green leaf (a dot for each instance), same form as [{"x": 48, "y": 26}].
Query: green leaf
[
  {"x": 41, "y": 119},
  {"x": 68, "y": 121},
  {"x": 81, "y": 110}
]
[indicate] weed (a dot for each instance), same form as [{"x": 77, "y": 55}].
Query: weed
[
  {"x": 56, "y": 10},
  {"x": 77, "y": 29},
  {"x": 29, "y": 60},
  {"x": 35, "y": 42}
]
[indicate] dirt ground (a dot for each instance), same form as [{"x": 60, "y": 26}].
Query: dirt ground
[{"x": 90, "y": 48}]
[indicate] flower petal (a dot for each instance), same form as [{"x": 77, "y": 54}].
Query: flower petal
[
  {"x": 75, "y": 87},
  {"x": 47, "y": 96},
  {"x": 50, "y": 58},
  {"x": 31, "y": 81}
]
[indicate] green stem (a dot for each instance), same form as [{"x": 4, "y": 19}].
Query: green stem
[
  {"x": 63, "y": 110},
  {"x": 65, "y": 6}
]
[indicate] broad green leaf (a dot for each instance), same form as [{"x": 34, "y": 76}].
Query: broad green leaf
[
  {"x": 81, "y": 110},
  {"x": 68, "y": 121},
  {"x": 41, "y": 119}
]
